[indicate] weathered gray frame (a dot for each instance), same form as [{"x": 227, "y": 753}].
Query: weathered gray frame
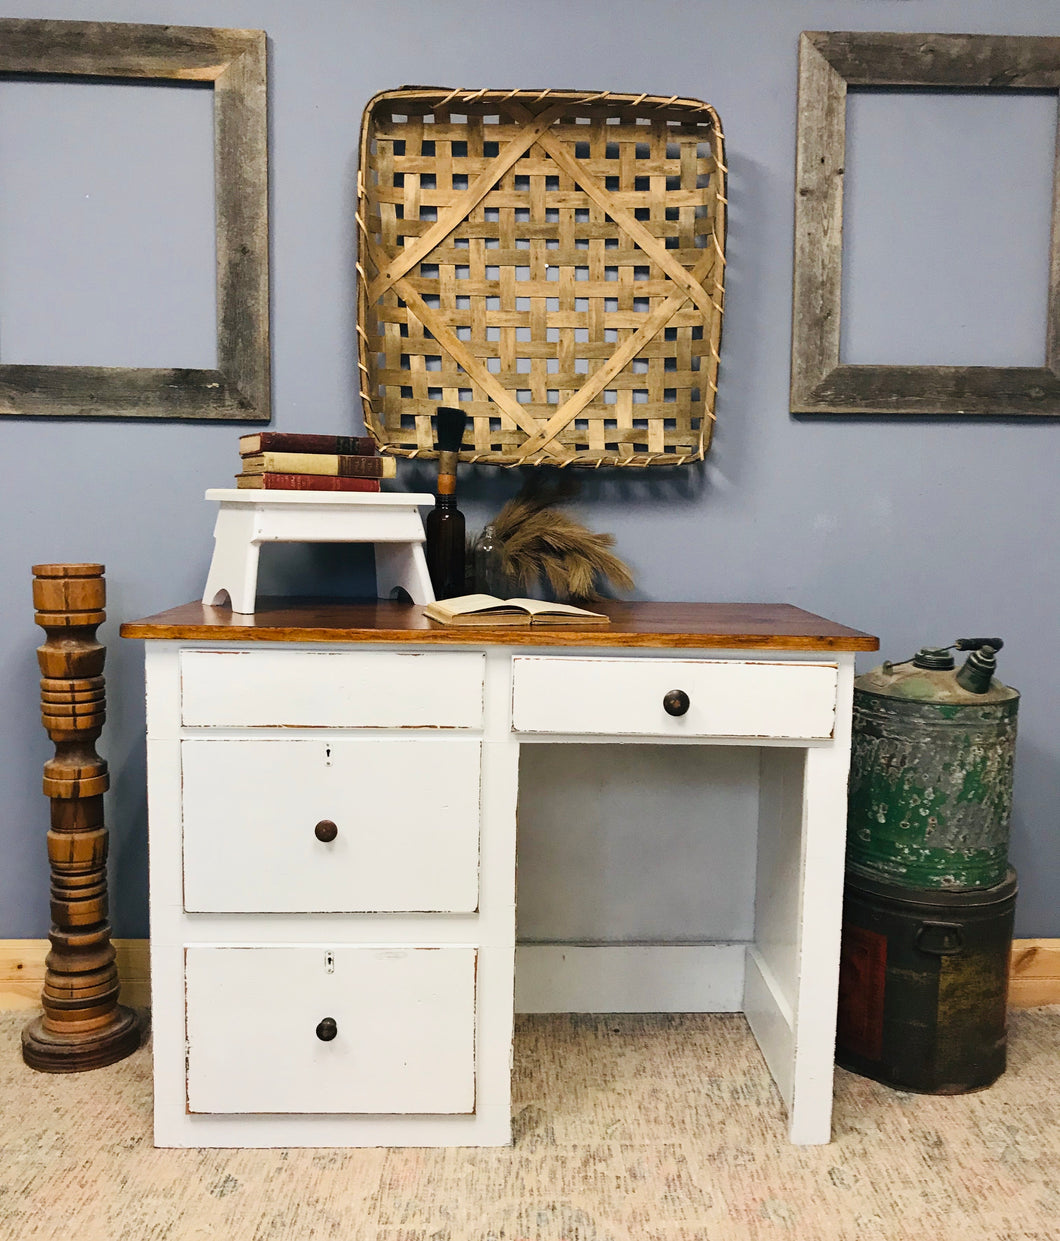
[
  {"x": 829, "y": 62},
  {"x": 234, "y": 62}
]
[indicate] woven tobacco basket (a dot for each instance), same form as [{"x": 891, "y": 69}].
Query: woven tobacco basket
[{"x": 552, "y": 262}]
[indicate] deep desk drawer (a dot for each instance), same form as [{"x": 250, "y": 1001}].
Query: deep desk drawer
[
  {"x": 258, "y": 814},
  {"x": 331, "y": 689},
  {"x": 404, "y": 1039},
  {"x": 624, "y": 697}
]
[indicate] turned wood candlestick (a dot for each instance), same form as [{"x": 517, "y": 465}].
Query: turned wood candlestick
[{"x": 83, "y": 1025}]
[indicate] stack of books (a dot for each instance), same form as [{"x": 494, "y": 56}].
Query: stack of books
[{"x": 290, "y": 461}]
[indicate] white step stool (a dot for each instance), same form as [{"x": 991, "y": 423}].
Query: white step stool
[{"x": 246, "y": 519}]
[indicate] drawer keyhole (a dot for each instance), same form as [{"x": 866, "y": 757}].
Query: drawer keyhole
[
  {"x": 327, "y": 1029},
  {"x": 676, "y": 702},
  {"x": 326, "y": 831}
]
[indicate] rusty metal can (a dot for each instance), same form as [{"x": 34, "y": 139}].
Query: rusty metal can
[
  {"x": 930, "y": 794},
  {"x": 923, "y": 985}
]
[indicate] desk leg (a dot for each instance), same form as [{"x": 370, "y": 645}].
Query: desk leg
[
  {"x": 496, "y": 919},
  {"x": 824, "y": 838},
  {"x": 793, "y": 967}
]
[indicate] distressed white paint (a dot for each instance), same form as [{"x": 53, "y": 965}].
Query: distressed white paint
[
  {"x": 407, "y": 814},
  {"x": 629, "y": 978},
  {"x": 777, "y": 896},
  {"x": 769, "y": 1015},
  {"x": 793, "y": 973},
  {"x": 823, "y": 835},
  {"x": 201, "y": 696},
  {"x": 406, "y": 1029},
  {"x": 246, "y": 519},
  {"x": 728, "y": 698},
  {"x": 637, "y": 844},
  {"x": 234, "y": 688}
]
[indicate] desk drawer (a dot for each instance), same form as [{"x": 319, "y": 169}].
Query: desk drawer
[
  {"x": 406, "y": 814},
  {"x": 331, "y": 689},
  {"x": 404, "y": 1039},
  {"x": 624, "y": 697}
]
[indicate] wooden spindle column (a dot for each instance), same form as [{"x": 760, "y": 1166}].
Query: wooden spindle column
[{"x": 83, "y": 1026}]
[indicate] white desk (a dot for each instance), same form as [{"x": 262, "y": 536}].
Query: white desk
[{"x": 332, "y": 795}]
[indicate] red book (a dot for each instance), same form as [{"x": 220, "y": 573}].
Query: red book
[
  {"x": 294, "y": 441},
  {"x": 306, "y": 482}
]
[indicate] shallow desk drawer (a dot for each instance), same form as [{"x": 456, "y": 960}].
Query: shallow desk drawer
[
  {"x": 350, "y": 824},
  {"x": 331, "y": 689},
  {"x": 330, "y": 1029},
  {"x": 725, "y": 698}
]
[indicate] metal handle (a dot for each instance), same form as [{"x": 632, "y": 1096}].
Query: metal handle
[
  {"x": 939, "y": 658},
  {"x": 326, "y": 831},
  {"x": 676, "y": 702},
  {"x": 327, "y": 1029},
  {"x": 940, "y": 939}
]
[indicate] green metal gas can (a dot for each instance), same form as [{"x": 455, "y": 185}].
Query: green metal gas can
[{"x": 930, "y": 792}]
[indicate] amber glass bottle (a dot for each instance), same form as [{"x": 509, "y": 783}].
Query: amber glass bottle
[
  {"x": 444, "y": 527},
  {"x": 446, "y": 558}
]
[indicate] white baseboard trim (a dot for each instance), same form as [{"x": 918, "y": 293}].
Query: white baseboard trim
[{"x": 629, "y": 978}]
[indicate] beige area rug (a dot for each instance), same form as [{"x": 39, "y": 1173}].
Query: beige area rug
[{"x": 656, "y": 1128}]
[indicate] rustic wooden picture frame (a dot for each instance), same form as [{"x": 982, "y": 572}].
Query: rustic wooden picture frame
[
  {"x": 830, "y": 62},
  {"x": 234, "y": 62}
]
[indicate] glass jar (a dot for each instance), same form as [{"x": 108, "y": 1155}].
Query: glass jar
[{"x": 488, "y": 564}]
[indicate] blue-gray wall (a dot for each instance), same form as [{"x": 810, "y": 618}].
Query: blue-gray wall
[{"x": 919, "y": 531}]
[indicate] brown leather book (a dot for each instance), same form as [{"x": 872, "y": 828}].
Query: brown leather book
[{"x": 296, "y": 441}]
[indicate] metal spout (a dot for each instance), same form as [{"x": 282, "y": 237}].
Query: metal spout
[{"x": 978, "y": 670}]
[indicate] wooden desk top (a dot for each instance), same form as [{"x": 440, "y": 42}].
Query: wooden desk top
[{"x": 757, "y": 626}]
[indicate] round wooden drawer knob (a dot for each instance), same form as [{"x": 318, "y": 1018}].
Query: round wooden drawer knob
[
  {"x": 676, "y": 702},
  {"x": 327, "y": 1029},
  {"x": 326, "y": 831}
]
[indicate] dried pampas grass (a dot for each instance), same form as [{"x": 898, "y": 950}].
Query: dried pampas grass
[{"x": 539, "y": 543}]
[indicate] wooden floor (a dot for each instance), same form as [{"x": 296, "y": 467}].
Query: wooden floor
[{"x": 1035, "y": 977}]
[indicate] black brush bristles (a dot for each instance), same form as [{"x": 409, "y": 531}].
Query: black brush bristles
[{"x": 451, "y": 424}]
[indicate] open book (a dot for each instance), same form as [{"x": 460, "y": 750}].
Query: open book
[{"x": 487, "y": 610}]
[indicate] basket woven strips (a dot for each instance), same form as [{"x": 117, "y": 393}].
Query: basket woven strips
[{"x": 552, "y": 262}]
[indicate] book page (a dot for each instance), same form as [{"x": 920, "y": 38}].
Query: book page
[
  {"x": 537, "y": 607},
  {"x": 461, "y": 604},
  {"x": 468, "y": 609}
]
